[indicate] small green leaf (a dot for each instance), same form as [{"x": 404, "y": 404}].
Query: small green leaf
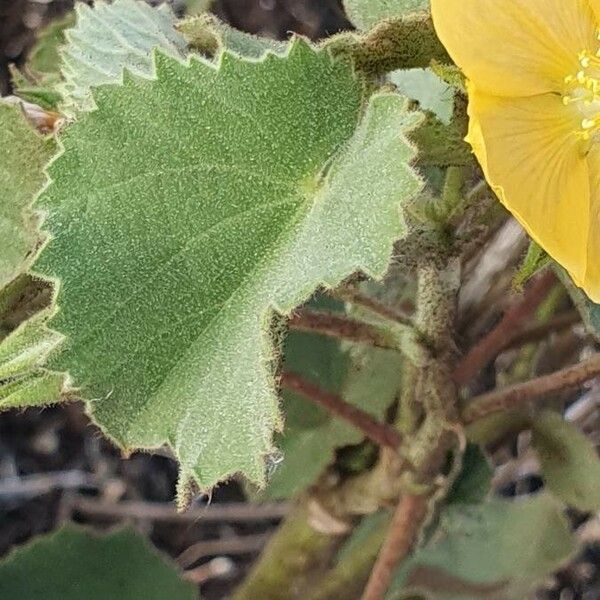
[
  {"x": 569, "y": 461},
  {"x": 366, "y": 13},
  {"x": 424, "y": 86},
  {"x": 23, "y": 154},
  {"x": 110, "y": 38},
  {"x": 39, "y": 82},
  {"x": 499, "y": 549},
  {"x": 74, "y": 563},
  {"x": 473, "y": 482},
  {"x": 184, "y": 209}
]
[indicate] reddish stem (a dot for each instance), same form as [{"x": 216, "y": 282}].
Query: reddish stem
[
  {"x": 324, "y": 323},
  {"x": 380, "y": 433},
  {"x": 497, "y": 339},
  {"x": 404, "y": 529},
  {"x": 519, "y": 394}
]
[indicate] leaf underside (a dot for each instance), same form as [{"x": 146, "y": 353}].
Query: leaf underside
[
  {"x": 366, "y": 13},
  {"x": 110, "y": 38},
  {"x": 187, "y": 207}
]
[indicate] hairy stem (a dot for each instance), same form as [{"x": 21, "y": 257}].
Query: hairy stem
[
  {"x": 428, "y": 449},
  {"x": 376, "y": 308}
]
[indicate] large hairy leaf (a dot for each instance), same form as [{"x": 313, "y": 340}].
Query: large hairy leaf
[
  {"x": 23, "y": 154},
  {"x": 111, "y": 37},
  {"x": 499, "y": 549},
  {"x": 73, "y": 564},
  {"x": 183, "y": 209}
]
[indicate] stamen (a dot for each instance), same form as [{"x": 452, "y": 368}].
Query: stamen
[{"x": 582, "y": 91}]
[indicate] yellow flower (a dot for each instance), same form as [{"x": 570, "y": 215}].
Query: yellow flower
[{"x": 534, "y": 104}]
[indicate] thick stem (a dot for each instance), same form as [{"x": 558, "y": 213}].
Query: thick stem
[
  {"x": 436, "y": 313},
  {"x": 293, "y": 558},
  {"x": 348, "y": 578}
]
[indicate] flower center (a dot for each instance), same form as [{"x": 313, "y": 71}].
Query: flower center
[{"x": 583, "y": 91}]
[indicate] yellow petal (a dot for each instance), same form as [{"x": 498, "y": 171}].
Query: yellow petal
[
  {"x": 591, "y": 282},
  {"x": 595, "y": 4},
  {"x": 533, "y": 161},
  {"x": 516, "y": 47}
]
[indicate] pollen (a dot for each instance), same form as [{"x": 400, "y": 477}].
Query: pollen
[{"x": 582, "y": 91}]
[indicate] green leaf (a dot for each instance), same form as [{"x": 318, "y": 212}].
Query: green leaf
[
  {"x": 365, "y": 377},
  {"x": 38, "y": 83},
  {"x": 473, "y": 482},
  {"x": 366, "y": 13},
  {"x": 424, "y": 86},
  {"x": 534, "y": 261},
  {"x": 209, "y": 34},
  {"x": 184, "y": 209},
  {"x": 569, "y": 461},
  {"x": 500, "y": 549},
  {"x": 74, "y": 563},
  {"x": 23, "y": 352},
  {"x": 27, "y": 347},
  {"x": 110, "y": 38},
  {"x": 38, "y": 388},
  {"x": 44, "y": 57},
  {"x": 23, "y": 154}
]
